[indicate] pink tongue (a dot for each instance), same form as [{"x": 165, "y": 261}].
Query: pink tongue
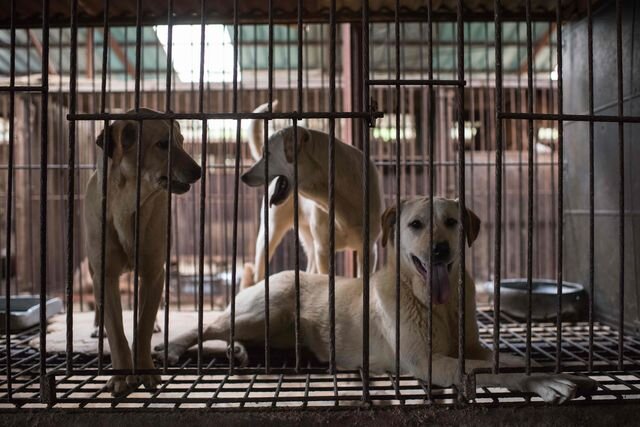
[{"x": 440, "y": 289}]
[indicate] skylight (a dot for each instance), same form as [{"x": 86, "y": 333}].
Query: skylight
[{"x": 218, "y": 52}]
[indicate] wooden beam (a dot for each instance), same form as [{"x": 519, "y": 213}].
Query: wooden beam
[
  {"x": 38, "y": 46},
  {"x": 119, "y": 52},
  {"x": 540, "y": 44}
]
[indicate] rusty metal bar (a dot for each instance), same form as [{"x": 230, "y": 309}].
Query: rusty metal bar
[
  {"x": 497, "y": 271},
  {"x": 397, "y": 189},
  {"x": 9, "y": 198},
  {"x": 103, "y": 187},
  {"x": 236, "y": 188},
  {"x": 136, "y": 228},
  {"x": 332, "y": 194},
  {"x": 461, "y": 197},
  {"x": 621, "y": 188},
  {"x": 203, "y": 188},
  {"x": 271, "y": 115},
  {"x": 530, "y": 185},
  {"x": 44, "y": 149},
  {"x": 73, "y": 65},
  {"x": 560, "y": 206},
  {"x": 591, "y": 185},
  {"x": 167, "y": 272},
  {"x": 365, "y": 202}
]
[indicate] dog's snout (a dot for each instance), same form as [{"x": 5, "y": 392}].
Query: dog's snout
[
  {"x": 441, "y": 251},
  {"x": 196, "y": 173}
]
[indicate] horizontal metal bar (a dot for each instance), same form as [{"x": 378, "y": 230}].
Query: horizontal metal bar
[
  {"x": 214, "y": 166},
  {"x": 415, "y": 82},
  {"x": 600, "y": 212},
  {"x": 280, "y": 17},
  {"x": 205, "y": 371},
  {"x": 455, "y": 163},
  {"x": 570, "y": 117},
  {"x": 226, "y": 116},
  {"x": 21, "y": 88}
]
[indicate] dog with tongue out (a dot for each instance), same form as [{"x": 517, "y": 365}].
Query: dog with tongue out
[
  {"x": 419, "y": 249},
  {"x": 420, "y": 252}
]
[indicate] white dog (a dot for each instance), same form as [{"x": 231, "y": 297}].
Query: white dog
[
  {"x": 416, "y": 249},
  {"x": 313, "y": 204},
  {"x": 121, "y": 206}
]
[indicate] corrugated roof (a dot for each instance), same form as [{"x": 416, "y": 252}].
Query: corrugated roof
[{"x": 479, "y": 39}]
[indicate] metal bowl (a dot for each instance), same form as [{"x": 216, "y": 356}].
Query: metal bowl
[
  {"x": 25, "y": 311},
  {"x": 544, "y": 299}
]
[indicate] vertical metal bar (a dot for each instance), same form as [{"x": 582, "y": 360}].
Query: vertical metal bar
[
  {"x": 203, "y": 188},
  {"x": 296, "y": 220},
  {"x": 44, "y": 148},
  {"x": 560, "y": 206},
  {"x": 332, "y": 198},
  {"x": 103, "y": 187},
  {"x": 73, "y": 69},
  {"x": 621, "y": 189},
  {"x": 167, "y": 272},
  {"x": 461, "y": 196},
  {"x": 530, "y": 183},
  {"x": 519, "y": 146},
  {"x": 397, "y": 189},
  {"x": 591, "y": 182},
  {"x": 9, "y": 199},
  {"x": 136, "y": 232},
  {"x": 432, "y": 133},
  {"x": 236, "y": 187},
  {"x": 267, "y": 344},
  {"x": 498, "y": 212},
  {"x": 365, "y": 203}
]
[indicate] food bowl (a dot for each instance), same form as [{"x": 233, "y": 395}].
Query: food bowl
[
  {"x": 544, "y": 299},
  {"x": 25, "y": 311}
]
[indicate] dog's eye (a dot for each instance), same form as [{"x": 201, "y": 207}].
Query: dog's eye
[
  {"x": 164, "y": 144},
  {"x": 416, "y": 224},
  {"x": 450, "y": 222}
]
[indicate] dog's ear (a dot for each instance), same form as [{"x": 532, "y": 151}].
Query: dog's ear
[
  {"x": 303, "y": 136},
  {"x": 119, "y": 137},
  {"x": 104, "y": 140},
  {"x": 127, "y": 135},
  {"x": 471, "y": 226},
  {"x": 388, "y": 222}
]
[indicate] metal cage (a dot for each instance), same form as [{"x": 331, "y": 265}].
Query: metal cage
[{"x": 436, "y": 98}]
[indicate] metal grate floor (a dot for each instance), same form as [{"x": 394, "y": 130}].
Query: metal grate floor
[{"x": 215, "y": 388}]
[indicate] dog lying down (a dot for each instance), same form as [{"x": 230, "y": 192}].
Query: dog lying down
[{"x": 415, "y": 253}]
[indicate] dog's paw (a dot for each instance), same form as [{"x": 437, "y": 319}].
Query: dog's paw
[
  {"x": 173, "y": 353},
  {"x": 121, "y": 385},
  {"x": 150, "y": 382},
  {"x": 239, "y": 354},
  {"x": 558, "y": 388},
  {"x": 585, "y": 386}
]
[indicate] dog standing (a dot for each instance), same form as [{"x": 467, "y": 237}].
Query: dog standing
[
  {"x": 313, "y": 203},
  {"x": 121, "y": 207},
  {"x": 417, "y": 248}
]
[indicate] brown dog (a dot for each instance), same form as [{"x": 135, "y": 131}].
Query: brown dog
[{"x": 121, "y": 205}]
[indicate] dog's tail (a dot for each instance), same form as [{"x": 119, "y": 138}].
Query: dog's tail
[
  {"x": 247, "y": 276},
  {"x": 256, "y": 137}
]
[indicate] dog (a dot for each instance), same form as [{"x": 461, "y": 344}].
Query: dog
[
  {"x": 417, "y": 249},
  {"x": 313, "y": 204},
  {"x": 121, "y": 148}
]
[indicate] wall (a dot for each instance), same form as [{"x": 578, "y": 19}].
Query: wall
[{"x": 606, "y": 146}]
